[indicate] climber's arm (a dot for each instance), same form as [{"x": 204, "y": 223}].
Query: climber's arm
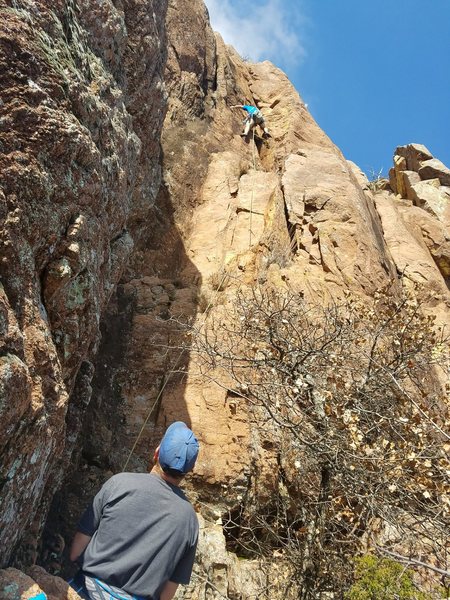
[
  {"x": 89, "y": 522},
  {"x": 79, "y": 545},
  {"x": 169, "y": 590}
]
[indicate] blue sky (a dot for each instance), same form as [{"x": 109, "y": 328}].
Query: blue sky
[{"x": 374, "y": 73}]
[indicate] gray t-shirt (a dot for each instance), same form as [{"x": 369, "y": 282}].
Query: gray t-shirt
[{"x": 144, "y": 532}]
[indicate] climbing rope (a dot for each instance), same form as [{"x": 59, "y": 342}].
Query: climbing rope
[
  {"x": 253, "y": 190},
  {"x": 166, "y": 381},
  {"x": 175, "y": 364},
  {"x": 150, "y": 412}
]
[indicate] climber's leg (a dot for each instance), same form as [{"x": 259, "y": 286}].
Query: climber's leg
[
  {"x": 248, "y": 125},
  {"x": 263, "y": 126}
]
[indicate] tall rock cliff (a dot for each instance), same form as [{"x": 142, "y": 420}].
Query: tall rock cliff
[
  {"x": 131, "y": 205},
  {"x": 80, "y": 171}
]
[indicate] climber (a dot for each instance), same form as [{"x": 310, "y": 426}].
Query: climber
[
  {"x": 138, "y": 537},
  {"x": 254, "y": 117}
]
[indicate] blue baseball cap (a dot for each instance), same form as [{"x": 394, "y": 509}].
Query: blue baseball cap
[{"x": 179, "y": 448}]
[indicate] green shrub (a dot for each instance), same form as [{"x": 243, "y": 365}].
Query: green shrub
[{"x": 383, "y": 579}]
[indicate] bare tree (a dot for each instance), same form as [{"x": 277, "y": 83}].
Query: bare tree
[{"x": 350, "y": 399}]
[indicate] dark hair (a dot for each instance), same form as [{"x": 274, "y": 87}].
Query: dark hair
[{"x": 174, "y": 473}]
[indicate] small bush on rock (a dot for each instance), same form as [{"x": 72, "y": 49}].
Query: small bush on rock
[{"x": 383, "y": 579}]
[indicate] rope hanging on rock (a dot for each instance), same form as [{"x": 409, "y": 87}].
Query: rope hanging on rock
[
  {"x": 175, "y": 364},
  {"x": 166, "y": 381}
]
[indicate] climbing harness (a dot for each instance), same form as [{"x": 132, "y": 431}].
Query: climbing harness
[{"x": 101, "y": 591}]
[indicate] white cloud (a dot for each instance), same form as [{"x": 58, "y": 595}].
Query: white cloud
[{"x": 262, "y": 31}]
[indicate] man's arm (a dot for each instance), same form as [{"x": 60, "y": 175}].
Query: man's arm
[
  {"x": 168, "y": 591},
  {"x": 89, "y": 522},
  {"x": 79, "y": 545}
]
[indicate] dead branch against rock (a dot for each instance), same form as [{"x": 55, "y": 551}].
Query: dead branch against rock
[
  {"x": 347, "y": 399},
  {"x": 412, "y": 561}
]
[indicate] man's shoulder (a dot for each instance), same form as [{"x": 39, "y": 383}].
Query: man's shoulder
[
  {"x": 144, "y": 483},
  {"x": 128, "y": 481},
  {"x": 188, "y": 516},
  {"x": 125, "y": 475},
  {"x": 183, "y": 500},
  {"x": 184, "y": 507},
  {"x": 120, "y": 478}
]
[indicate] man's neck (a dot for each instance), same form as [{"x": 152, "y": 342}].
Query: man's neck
[{"x": 156, "y": 470}]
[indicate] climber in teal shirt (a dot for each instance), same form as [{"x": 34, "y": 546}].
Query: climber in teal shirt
[
  {"x": 254, "y": 117},
  {"x": 250, "y": 109}
]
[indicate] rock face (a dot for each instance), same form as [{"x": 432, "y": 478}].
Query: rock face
[
  {"x": 15, "y": 585},
  {"x": 131, "y": 204},
  {"x": 80, "y": 171},
  {"x": 417, "y": 222}
]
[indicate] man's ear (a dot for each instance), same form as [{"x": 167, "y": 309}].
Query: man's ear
[{"x": 156, "y": 455}]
